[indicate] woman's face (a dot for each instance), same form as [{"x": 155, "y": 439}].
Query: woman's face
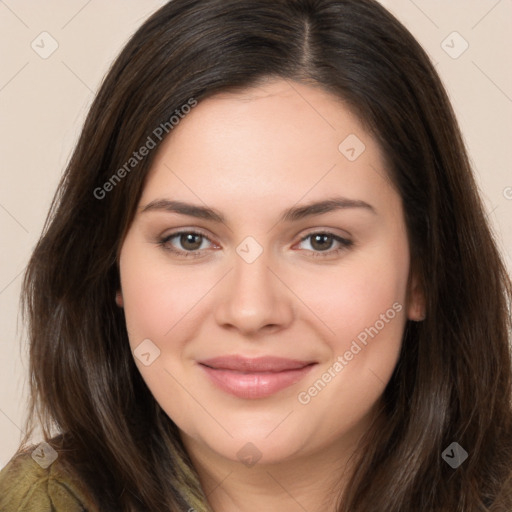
[{"x": 265, "y": 276}]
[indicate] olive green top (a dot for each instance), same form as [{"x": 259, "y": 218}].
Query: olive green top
[{"x": 34, "y": 482}]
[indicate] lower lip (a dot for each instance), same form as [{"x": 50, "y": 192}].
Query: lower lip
[{"x": 254, "y": 385}]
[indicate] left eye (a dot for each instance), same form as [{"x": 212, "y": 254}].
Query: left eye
[{"x": 323, "y": 242}]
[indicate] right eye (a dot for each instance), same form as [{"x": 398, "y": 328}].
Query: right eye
[{"x": 191, "y": 242}]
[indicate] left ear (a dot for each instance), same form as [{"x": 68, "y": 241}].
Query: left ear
[{"x": 416, "y": 307}]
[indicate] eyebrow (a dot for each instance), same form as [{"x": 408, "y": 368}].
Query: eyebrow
[{"x": 292, "y": 214}]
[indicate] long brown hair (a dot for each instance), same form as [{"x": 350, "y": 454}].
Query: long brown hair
[{"x": 453, "y": 379}]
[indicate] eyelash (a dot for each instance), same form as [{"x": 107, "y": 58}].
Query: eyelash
[{"x": 164, "y": 243}]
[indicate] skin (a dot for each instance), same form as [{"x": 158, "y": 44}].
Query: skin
[{"x": 250, "y": 155}]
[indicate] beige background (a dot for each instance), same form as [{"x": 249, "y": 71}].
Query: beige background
[{"x": 43, "y": 102}]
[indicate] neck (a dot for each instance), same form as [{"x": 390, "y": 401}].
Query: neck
[{"x": 307, "y": 481}]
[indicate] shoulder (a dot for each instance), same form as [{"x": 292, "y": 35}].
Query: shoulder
[{"x": 37, "y": 481}]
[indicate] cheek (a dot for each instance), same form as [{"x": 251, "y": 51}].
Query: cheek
[
  {"x": 158, "y": 306},
  {"x": 355, "y": 294},
  {"x": 145, "y": 306},
  {"x": 361, "y": 305},
  {"x": 156, "y": 296},
  {"x": 365, "y": 313}
]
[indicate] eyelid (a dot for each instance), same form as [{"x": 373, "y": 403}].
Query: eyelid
[{"x": 325, "y": 231}]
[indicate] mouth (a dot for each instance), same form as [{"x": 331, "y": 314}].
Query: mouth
[{"x": 252, "y": 378}]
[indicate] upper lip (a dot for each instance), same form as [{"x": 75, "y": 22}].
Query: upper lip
[{"x": 256, "y": 364}]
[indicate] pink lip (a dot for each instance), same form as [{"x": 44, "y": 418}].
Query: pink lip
[{"x": 254, "y": 378}]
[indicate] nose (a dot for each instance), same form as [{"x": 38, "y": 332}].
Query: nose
[{"x": 254, "y": 299}]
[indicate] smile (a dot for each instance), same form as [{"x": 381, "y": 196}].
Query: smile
[{"x": 254, "y": 378}]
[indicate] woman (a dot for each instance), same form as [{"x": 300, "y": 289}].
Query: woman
[{"x": 267, "y": 281}]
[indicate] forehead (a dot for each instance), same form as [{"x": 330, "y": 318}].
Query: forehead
[{"x": 279, "y": 141}]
